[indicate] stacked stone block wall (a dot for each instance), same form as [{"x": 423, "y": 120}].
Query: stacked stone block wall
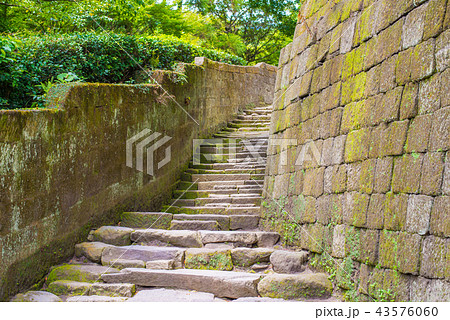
[
  {"x": 364, "y": 91},
  {"x": 63, "y": 169}
]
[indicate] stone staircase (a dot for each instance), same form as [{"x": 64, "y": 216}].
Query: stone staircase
[{"x": 204, "y": 246}]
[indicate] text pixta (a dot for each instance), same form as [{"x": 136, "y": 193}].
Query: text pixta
[{"x": 337, "y": 312}]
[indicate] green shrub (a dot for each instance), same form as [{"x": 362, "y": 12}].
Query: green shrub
[{"x": 92, "y": 57}]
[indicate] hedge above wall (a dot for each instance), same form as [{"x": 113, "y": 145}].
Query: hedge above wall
[{"x": 28, "y": 63}]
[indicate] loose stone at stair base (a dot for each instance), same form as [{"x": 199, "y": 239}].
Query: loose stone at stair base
[
  {"x": 112, "y": 289},
  {"x": 81, "y": 273},
  {"x": 226, "y": 284},
  {"x": 246, "y": 257},
  {"x": 36, "y": 296},
  {"x": 170, "y": 295},
  {"x": 95, "y": 299},
  {"x": 295, "y": 287},
  {"x": 73, "y": 288},
  {"x": 208, "y": 259},
  {"x": 91, "y": 250},
  {"x": 289, "y": 262},
  {"x": 67, "y": 287},
  {"x": 117, "y": 236},
  {"x": 180, "y": 238}
]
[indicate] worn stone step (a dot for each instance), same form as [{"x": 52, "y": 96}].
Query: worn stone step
[
  {"x": 248, "y": 124},
  {"x": 195, "y": 225},
  {"x": 250, "y": 201},
  {"x": 296, "y": 287},
  {"x": 171, "y": 295},
  {"x": 78, "y": 272},
  {"x": 178, "y": 238},
  {"x": 225, "y": 284},
  {"x": 255, "y": 117},
  {"x": 248, "y": 120},
  {"x": 155, "y": 220},
  {"x": 227, "y": 210},
  {"x": 95, "y": 299},
  {"x": 36, "y": 296},
  {"x": 183, "y": 194},
  {"x": 227, "y": 171},
  {"x": 246, "y": 257},
  {"x": 118, "y": 236},
  {"x": 196, "y": 239},
  {"x": 67, "y": 288},
  {"x": 140, "y": 255},
  {"x": 208, "y": 259},
  {"x": 230, "y": 166},
  {"x": 256, "y": 200},
  {"x": 242, "y": 135},
  {"x": 233, "y": 222},
  {"x": 91, "y": 250},
  {"x": 213, "y": 185},
  {"x": 222, "y": 221},
  {"x": 246, "y": 238},
  {"x": 226, "y": 177}
]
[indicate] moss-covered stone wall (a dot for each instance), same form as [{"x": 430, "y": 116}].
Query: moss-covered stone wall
[
  {"x": 63, "y": 170},
  {"x": 364, "y": 92}
]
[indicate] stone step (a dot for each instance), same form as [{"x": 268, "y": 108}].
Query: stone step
[
  {"x": 177, "y": 238},
  {"x": 232, "y": 166},
  {"x": 183, "y": 194},
  {"x": 237, "y": 222},
  {"x": 243, "y": 238},
  {"x": 249, "y": 124},
  {"x": 171, "y": 295},
  {"x": 224, "y": 284},
  {"x": 67, "y": 288},
  {"x": 195, "y": 225},
  {"x": 95, "y": 299},
  {"x": 118, "y": 236},
  {"x": 78, "y": 272},
  {"x": 229, "y": 152},
  {"x": 242, "y": 135},
  {"x": 230, "y": 200},
  {"x": 138, "y": 255},
  {"x": 227, "y": 171},
  {"x": 254, "y": 118},
  {"x": 295, "y": 287},
  {"x": 226, "y": 177},
  {"x": 36, "y": 296},
  {"x": 197, "y": 239},
  {"x": 218, "y": 209},
  {"x": 215, "y": 185},
  {"x": 155, "y": 220}
]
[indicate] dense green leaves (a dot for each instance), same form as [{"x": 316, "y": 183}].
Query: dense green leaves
[
  {"x": 92, "y": 57},
  {"x": 107, "y": 40}
]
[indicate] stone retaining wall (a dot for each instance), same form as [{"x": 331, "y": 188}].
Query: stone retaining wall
[
  {"x": 63, "y": 169},
  {"x": 364, "y": 90}
]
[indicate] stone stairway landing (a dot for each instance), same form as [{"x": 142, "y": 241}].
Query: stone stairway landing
[{"x": 204, "y": 245}]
